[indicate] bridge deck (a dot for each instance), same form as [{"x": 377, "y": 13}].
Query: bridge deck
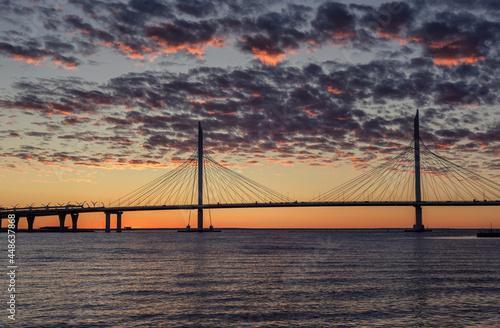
[{"x": 42, "y": 211}]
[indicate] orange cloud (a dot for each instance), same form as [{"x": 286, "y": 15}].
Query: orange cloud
[
  {"x": 37, "y": 61},
  {"x": 334, "y": 90},
  {"x": 132, "y": 53},
  {"x": 30, "y": 60},
  {"x": 198, "y": 48},
  {"x": 309, "y": 112},
  {"x": 447, "y": 61},
  {"x": 268, "y": 58},
  {"x": 452, "y": 52},
  {"x": 393, "y": 36},
  {"x": 66, "y": 65}
]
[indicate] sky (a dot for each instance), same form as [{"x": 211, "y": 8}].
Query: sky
[{"x": 99, "y": 97}]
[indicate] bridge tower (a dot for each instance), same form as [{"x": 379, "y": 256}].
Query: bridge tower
[
  {"x": 200, "y": 176},
  {"x": 200, "y": 187},
  {"x": 418, "y": 227}
]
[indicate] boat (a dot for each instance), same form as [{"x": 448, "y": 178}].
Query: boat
[{"x": 488, "y": 232}]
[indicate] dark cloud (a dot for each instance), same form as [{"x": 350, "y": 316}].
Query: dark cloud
[
  {"x": 334, "y": 21},
  {"x": 138, "y": 28},
  {"x": 39, "y": 134},
  {"x": 196, "y": 8},
  {"x": 455, "y": 93},
  {"x": 35, "y": 55},
  {"x": 391, "y": 20},
  {"x": 271, "y": 36},
  {"x": 151, "y": 7},
  {"x": 457, "y": 38},
  {"x": 184, "y": 36},
  {"x": 59, "y": 47},
  {"x": 75, "y": 120}
]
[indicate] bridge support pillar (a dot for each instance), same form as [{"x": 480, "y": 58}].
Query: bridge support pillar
[
  {"x": 62, "y": 218},
  {"x": 418, "y": 219},
  {"x": 119, "y": 221},
  {"x": 200, "y": 219},
  {"x": 74, "y": 221},
  {"x": 31, "y": 220},
  {"x": 108, "y": 222},
  {"x": 16, "y": 223}
]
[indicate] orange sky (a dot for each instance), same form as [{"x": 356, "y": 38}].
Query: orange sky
[{"x": 348, "y": 217}]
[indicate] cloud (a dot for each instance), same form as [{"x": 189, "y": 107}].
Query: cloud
[
  {"x": 392, "y": 20},
  {"x": 334, "y": 23},
  {"x": 271, "y": 36},
  {"x": 196, "y": 8},
  {"x": 74, "y": 120},
  {"x": 143, "y": 30},
  {"x": 37, "y": 56},
  {"x": 457, "y": 38},
  {"x": 255, "y": 109},
  {"x": 184, "y": 36},
  {"x": 444, "y": 62},
  {"x": 488, "y": 138}
]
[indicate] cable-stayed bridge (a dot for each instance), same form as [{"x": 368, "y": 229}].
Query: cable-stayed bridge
[{"x": 416, "y": 177}]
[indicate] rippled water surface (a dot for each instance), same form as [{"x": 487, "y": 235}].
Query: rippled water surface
[{"x": 256, "y": 278}]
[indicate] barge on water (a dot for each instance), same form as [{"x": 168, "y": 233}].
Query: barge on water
[{"x": 488, "y": 233}]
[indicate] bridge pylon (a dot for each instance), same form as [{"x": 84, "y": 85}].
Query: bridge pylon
[
  {"x": 200, "y": 187},
  {"x": 200, "y": 176},
  {"x": 418, "y": 226}
]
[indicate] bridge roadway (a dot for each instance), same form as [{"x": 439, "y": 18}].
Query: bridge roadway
[
  {"x": 73, "y": 210},
  {"x": 43, "y": 211}
]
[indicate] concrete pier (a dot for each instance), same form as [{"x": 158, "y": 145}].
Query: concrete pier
[
  {"x": 31, "y": 221},
  {"x": 119, "y": 221},
  {"x": 62, "y": 218},
  {"x": 418, "y": 219},
  {"x": 108, "y": 222},
  {"x": 74, "y": 221}
]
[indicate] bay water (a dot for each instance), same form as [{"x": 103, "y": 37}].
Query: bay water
[{"x": 255, "y": 278}]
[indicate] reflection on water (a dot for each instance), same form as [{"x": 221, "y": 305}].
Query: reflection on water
[{"x": 257, "y": 278}]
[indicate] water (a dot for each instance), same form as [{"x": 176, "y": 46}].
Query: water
[{"x": 256, "y": 278}]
